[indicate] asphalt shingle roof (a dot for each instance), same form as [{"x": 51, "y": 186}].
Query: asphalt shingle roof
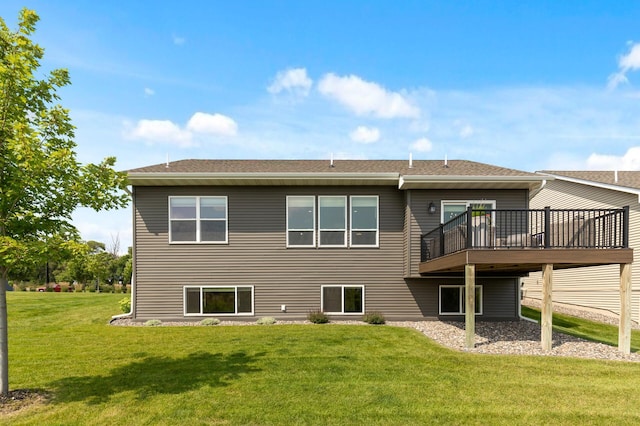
[
  {"x": 628, "y": 179},
  {"x": 420, "y": 167}
]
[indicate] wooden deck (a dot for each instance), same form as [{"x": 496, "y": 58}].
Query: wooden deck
[{"x": 519, "y": 262}]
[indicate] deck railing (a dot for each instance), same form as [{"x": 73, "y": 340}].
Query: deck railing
[{"x": 532, "y": 229}]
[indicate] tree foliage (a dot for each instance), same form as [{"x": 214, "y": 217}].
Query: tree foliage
[{"x": 41, "y": 181}]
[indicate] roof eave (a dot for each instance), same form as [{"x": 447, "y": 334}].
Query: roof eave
[
  {"x": 471, "y": 182},
  {"x": 189, "y": 179},
  {"x": 612, "y": 187}
]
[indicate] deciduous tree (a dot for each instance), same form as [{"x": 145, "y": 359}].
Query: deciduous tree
[{"x": 41, "y": 181}]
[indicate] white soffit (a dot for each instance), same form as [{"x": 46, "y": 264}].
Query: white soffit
[{"x": 470, "y": 182}]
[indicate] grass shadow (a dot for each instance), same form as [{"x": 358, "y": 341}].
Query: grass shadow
[{"x": 157, "y": 375}]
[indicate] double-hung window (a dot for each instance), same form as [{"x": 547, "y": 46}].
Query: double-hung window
[
  {"x": 452, "y": 300},
  {"x": 198, "y": 219},
  {"x": 301, "y": 221},
  {"x": 342, "y": 299},
  {"x": 216, "y": 300},
  {"x": 334, "y": 228},
  {"x": 333, "y": 221},
  {"x": 364, "y": 221}
]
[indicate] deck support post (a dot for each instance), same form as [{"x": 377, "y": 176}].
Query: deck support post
[
  {"x": 470, "y": 305},
  {"x": 546, "y": 319},
  {"x": 624, "y": 328}
]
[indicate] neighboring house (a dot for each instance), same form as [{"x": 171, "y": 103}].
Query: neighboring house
[
  {"x": 594, "y": 287},
  {"x": 241, "y": 239}
]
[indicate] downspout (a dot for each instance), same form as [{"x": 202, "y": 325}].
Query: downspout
[
  {"x": 537, "y": 190},
  {"x": 522, "y": 317},
  {"x": 133, "y": 261}
]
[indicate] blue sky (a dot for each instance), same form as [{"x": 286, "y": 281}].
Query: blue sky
[{"x": 530, "y": 85}]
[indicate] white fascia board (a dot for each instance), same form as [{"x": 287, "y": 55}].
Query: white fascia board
[
  {"x": 609, "y": 186},
  {"x": 429, "y": 181},
  {"x": 390, "y": 178}
]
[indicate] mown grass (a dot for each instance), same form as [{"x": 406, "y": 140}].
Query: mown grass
[
  {"x": 589, "y": 330},
  {"x": 288, "y": 374}
]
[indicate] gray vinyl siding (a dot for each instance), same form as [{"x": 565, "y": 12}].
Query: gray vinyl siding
[
  {"x": 256, "y": 255},
  {"x": 594, "y": 287},
  {"x": 500, "y": 297},
  {"x": 421, "y": 222}
]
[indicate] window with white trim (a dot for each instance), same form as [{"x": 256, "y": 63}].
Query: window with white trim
[
  {"x": 452, "y": 300},
  {"x": 218, "y": 300},
  {"x": 195, "y": 219},
  {"x": 332, "y": 218},
  {"x": 342, "y": 299},
  {"x": 451, "y": 209},
  {"x": 364, "y": 221},
  {"x": 301, "y": 221}
]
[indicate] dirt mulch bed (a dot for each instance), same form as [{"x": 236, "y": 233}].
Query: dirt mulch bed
[{"x": 21, "y": 399}]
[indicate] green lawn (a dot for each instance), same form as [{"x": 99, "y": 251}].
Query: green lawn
[
  {"x": 595, "y": 331},
  {"x": 288, "y": 374}
]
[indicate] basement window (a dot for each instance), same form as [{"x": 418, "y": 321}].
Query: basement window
[{"x": 451, "y": 300}]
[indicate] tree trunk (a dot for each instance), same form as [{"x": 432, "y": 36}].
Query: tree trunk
[{"x": 4, "y": 336}]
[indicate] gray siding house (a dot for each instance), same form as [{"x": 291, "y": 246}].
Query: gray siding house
[
  {"x": 240, "y": 239},
  {"x": 594, "y": 287},
  {"x": 246, "y": 239}
]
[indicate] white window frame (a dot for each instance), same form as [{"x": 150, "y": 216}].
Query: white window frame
[
  {"x": 201, "y": 314},
  {"x": 352, "y": 230},
  {"x": 467, "y": 203},
  {"x": 461, "y": 301},
  {"x": 198, "y": 219},
  {"x": 342, "y": 287},
  {"x": 313, "y": 229},
  {"x": 320, "y": 229}
]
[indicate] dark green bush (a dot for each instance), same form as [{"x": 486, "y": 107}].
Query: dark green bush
[
  {"x": 373, "y": 318},
  {"x": 317, "y": 317}
]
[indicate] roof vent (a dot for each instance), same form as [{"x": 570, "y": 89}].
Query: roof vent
[
  {"x": 167, "y": 165},
  {"x": 331, "y": 161},
  {"x": 446, "y": 162},
  {"x": 410, "y": 160},
  {"x": 615, "y": 176}
]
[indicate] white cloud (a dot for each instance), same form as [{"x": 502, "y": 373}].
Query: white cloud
[
  {"x": 178, "y": 40},
  {"x": 166, "y": 131},
  {"x": 365, "y": 134},
  {"x": 215, "y": 124},
  {"x": 294, "y": 80},
  {"x": 422, "y": 145},
  {"x": 629, "y": 161},
  {"x": 149, "y": 92},
  {"x": 161, "y": 131},
  {"x": 366, "y": 98},
  {"x": 626, "y": 63}
]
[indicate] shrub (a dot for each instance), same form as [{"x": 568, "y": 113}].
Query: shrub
[
  {"x": 373, "y": 318},
  {"x": 210, "y": 321},
  {"x": 317, "y": 317},
  {"x": 153, "y": 323},
  {"x": 266, "y": 321},
  {"x": 125, "y": 305}
]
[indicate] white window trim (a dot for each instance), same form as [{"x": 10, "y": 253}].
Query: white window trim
[
  {"x": 351, "y": 229},
  {"x": 198, "y": 219},
  {"x": 462, "y": 299},
  {"x": 467, "y": 203},
  {"x": 320, "y": 229},
  {"x": 201, "y": 314},
  {"x": 313, "y": 244},
  {"x": 342, "y": 287}
]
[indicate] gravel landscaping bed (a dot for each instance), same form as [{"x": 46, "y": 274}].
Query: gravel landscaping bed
[{"x": 501, "y": 338}]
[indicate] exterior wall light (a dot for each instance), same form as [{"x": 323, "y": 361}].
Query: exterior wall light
[{"x": 432, "y": 208}]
